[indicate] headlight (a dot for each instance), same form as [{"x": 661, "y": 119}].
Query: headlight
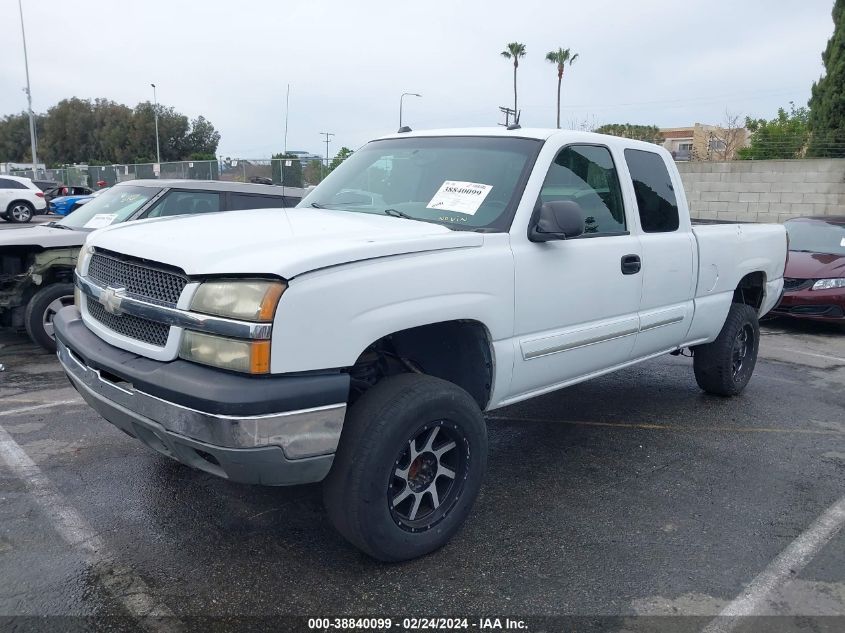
[
  {"x": 248, "y": 299},
  {"x": 827, "y": 284},
  {"x": 252, "y": 357},
  {"x": 82, "y": 259}
]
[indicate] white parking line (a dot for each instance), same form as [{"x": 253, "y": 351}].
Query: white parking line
[
  {"x": 35, "y": 407},
  {"x": 126, "y": 587},
  {"x": 825, "y": 356},
  {"x": 790, "y": 561}
]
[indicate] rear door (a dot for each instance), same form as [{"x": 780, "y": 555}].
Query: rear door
[
  {"x": 668, "y": 253},
  {"x": 575, "y": 306}
]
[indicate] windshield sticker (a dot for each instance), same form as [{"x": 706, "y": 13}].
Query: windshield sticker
[
  {"x": 100, "y": 220},
  {"x": 459, "y": 196},
  {"x": 842, "y": 242}
]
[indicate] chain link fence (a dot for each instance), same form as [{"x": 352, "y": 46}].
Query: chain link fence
[{"x": 278, "y": 171}]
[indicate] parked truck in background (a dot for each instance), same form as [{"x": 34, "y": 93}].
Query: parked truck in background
[{"x": 433, "y": 276}]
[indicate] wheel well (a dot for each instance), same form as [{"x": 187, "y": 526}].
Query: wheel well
[
  {"x": 457, "y": 351},
  {"x": 751, "y": 289},
  {"x": 26, "y": 202}
]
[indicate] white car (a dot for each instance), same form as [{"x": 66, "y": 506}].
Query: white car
[
  {"x": 20, "y": 199},
  {"x": 433, "y": 276}
]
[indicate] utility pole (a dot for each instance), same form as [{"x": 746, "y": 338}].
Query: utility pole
[
  {"x": 405, "y": 94},
  {"x": 287, "y": 108},
  {"x": 155, "y": 115},
  {"x": 29, "y": 98},
  {"x": 328, "y": 136}
]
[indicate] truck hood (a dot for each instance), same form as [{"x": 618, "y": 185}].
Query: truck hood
[
  {"x": 284, "y": 242},
  {"x": 42, "y": 236},
  {"x": 802, "y": 265}
]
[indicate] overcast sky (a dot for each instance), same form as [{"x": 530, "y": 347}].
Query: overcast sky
[{"x": 659, "y": 62}]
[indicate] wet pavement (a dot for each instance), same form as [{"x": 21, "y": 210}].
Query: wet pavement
[
  {"x": 38, "y": 219},
  {"x": 632, "y": 494}
]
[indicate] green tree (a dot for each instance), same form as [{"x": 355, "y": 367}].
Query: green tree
[
  {"x": 514, "y": 51},
  {"x": 560, "y": 58},
  {"x": 102, "y": 131},
  {"x": 14, "y": 138},
  {"x": 648, "y": 133},
  {"x": 69, "y": 132},
  {"x": 827, "y": 103},
  {"x": 287, "y": 170},
  {"x": 341, "y": 156},
  {"x": 785, "y": 136},
  {"x": 313, "y": 172},
  {"x": 203, "y": 138}
]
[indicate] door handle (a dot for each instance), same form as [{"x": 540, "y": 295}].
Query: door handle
[{"x": 631, "y": 264}]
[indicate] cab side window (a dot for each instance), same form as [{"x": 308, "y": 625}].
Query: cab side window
[
  {"x": 185, "y": 202},
  {"x": 656, "y": 199},
  {"x": 586, "y": 174}
]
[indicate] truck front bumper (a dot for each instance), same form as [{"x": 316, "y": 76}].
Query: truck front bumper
[{"x": 274, "y": 430}]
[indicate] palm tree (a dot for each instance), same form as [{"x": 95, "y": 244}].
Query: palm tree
[
  {"x": 514, "y": 51},
  {"x": 560, "y": 57}
]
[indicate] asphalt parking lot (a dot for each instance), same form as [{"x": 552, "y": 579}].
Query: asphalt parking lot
[
  {"x": 631, "y": 495},
  {"x": 38, "y": 219}
]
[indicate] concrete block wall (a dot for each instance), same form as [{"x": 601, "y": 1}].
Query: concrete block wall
[{"x": 764, "y": 190}]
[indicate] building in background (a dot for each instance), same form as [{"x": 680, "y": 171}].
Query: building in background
[
  {"x": 704, "y": 142},
  {"x": 305, "y": 157},
  {"x": 12, "y": 168}
]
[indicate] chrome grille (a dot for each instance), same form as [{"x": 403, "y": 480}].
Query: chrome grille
[
  {"x": 130, "y": 326},
  {"x": 792, "y": 284},
  {"x": 139, "y": 279}
]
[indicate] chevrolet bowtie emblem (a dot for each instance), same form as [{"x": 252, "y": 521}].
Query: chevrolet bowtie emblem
[{"x": 111, "y": 298}]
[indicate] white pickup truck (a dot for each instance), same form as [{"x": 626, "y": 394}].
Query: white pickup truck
[{"x": 359, "y": 337}]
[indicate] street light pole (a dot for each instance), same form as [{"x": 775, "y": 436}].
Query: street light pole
[
  {"x": 328, "y": 136},
  {"x": 155, "y": 115},
  {"x": 401, "y": 99},
  {"x": 29, "y": 98}
]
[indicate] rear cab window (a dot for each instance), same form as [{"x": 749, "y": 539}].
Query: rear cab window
[{"x": 656, "y": 201}]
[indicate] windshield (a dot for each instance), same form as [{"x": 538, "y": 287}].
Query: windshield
[
  {"x": 816, "y": 237},
  {"x": 468, "y": 182},
  {"x": 110, "y": 206}
]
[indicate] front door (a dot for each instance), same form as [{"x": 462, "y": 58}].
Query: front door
[{"x": 576, "y": 310}]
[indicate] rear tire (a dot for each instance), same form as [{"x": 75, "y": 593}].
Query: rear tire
[
  {"x": 724, "y": 367},
  {"x": 408, "y": 468},
  {"x": 40, "y": 311},
  {"x": 20, "y": 212}
]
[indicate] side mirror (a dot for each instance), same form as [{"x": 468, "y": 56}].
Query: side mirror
[{"x": 556, "y": 220}]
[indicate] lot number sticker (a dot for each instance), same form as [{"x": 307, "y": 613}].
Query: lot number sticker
[
  {"x": 100, "y": 220},
  {"x": 459, "y": 196}
]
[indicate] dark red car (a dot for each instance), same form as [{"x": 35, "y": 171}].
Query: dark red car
[{"x": 814, "y": 280}]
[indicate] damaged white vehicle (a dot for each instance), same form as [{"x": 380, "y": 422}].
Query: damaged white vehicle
[{"x": 359, "y": 338}]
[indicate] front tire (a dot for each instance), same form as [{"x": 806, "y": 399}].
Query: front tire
[
  {"x": 724, "y": 367},
  {"x": 408, "y": 468},
  {"x": 40, "y": 311},
  {"x": 20, "y": 212}
]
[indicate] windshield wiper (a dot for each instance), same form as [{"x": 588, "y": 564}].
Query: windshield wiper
[
  {"x": 396, "y": 213},
  {"x": 317, "y": 206},
  {"x": 56, "y": 225}
]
